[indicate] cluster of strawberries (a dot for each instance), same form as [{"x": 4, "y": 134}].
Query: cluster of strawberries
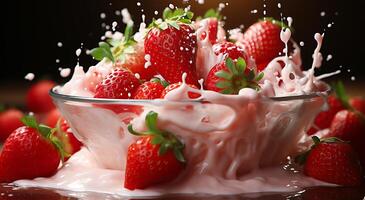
[
  {"x": 339, "y": 156},
  {"x": 30, "y": 149},
  {"x": 170, "y": 50}
]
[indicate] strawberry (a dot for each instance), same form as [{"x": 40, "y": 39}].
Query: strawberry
[
  {"x": 155, "y": 158},
  {"x": 233, "y": 51},
  {"x": 52, "y": 118},
  {"x": 9, "y": 121},
  {"x": 230, "y": 77},
  {"x": 323, "y": 119},
  {"x": 358, "y": 103},
  {"x": 38, "y": 99},
  {"x": 120, "y": 84},
  {"x": 29, "y": 152},
  {"x": 172, "y": 46},
  {"x": 174, "y": 86},
  {"x": 262, "y": 41},
  {"x": 70, "y": 142},
  {"x": 149, "y": 90},
  {"x": 334, "y": 161},
  {"x": 212, "y": 30}
]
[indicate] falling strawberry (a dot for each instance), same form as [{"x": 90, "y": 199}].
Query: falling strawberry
[
  {"x": 211, "y": 18},
  {"x": 9, "y": 121},
  {"x": 172, "y": 46},
  {"x": 38, "y": 99},
  {"x": 262, "y": 41},
  {"x": 174, "y": 86},
  {"x": 120, "y": 84},
  {"x": 155, "y": 158},
  {"x": 149, "y": 90},
  {"x": 230, "y": 77},
  {"x": 334, "y": 161},
  {"x": 29, "y": 152}
]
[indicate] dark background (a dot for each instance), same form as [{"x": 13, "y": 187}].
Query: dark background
[{"x": 31, "y": 30}]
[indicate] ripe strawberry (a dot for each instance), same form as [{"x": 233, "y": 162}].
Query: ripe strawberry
[
  {"x": 135, "y": 62},
  {"x": 172, "y": 47},
  {"x": 9, "y": 121},
  {"x": 120, "y": 84},
  {"x": 29, "y": 152},
  {"x": 212, "y": 30},
  {"x": 323, "y": 119},
  {"x": 262, "y": 41},
  {"x": 38, "y": 99},
  {"x": 155, "y": 158},
  {"x": 350, "y": 126},
  {"x": 358, "y": 103},
  {"x": 233, "y": 51},
  {"x": 230, "y": 77},
  {"x": 70, "y": 142},
  {"x": 174, "y": 86},
  {"x": 149, "y": 90},
  {"x": 333, "y": 161}
]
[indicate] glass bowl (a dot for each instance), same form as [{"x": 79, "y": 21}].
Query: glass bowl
[{"x": 221, "y": 139}]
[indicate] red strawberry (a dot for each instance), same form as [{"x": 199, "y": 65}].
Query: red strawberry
[
  {"x": 230, "y": 77},
  {"x": 212, "y": 30},
  {"x": 149, "y": 90},
  {"x": 9, "y": 121},
  {"x": 323, "y": 119},
  {"x": 29, "y": 152},
  {"x": 358, "y": 103},
  {"x": 38, "y": 99},
  {"x": 155, "y": 158},
  {"x": 233, "y": 51},
  {"x": 120, "y": 84},
  {"x": 262, "y": 41},
  {"x": 333, "y": 161},
  {"x": 135, "y": 62},
  {"x": 172, "y": 47},
  {"x": 350, "y": 126},
  {"x": 174, "y": 86}
]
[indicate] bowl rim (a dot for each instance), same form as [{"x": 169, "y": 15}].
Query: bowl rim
[{"x": 65, "y": 97}]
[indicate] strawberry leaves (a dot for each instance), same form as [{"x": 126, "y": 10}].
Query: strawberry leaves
[
  {"x": 237, "y": 77},
  {"x": 46, "y": 132},
  {"x": 103, "y": 51},
  {"x": 165, "y": 139},
  {"x": 173, "y": 18}
]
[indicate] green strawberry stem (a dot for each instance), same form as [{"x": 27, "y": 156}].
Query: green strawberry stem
[
  {"x": 300, "y": 159},
  {"x": 235, "y": 79},
  {"x": 47, "y": 133},
  {"x": 165, "y": 139},
  {"x": 341, "y": 94},
  {"x": 162, "y": 82}
]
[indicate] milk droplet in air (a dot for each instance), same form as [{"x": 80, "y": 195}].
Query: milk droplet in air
[
  {"x": 254, "y": 11},
  {"x": 139, "y": 3},
  {"x": 137, "y": 75},
  {"x": 114, "y": 25},
  {"x": 156, "y": 12},
  {"x": 290, "y": 21},
  {"x": 148, "y": 63},
  {"x": 200, "y": 1},
  {"x": 65, "y": 72},
  {"x": 171, "y": 6},
  {"x": 78, "y": 52},
  {"x": 323, "y": 14},
  {"x": 117, "y": 12},
  {"x": 301, "y": 44},
  {"x": 127, "y": 19},
  {"x": 29, "y": 76},
  {"x": 102, "y": 15},
  {"x": 59, "y": 44},
  {"x": 279, "y": 5},
  {"x": 353, "y": 78},
  {"x": 329, "y": 57},
  {"x": 57, "y": 60}
]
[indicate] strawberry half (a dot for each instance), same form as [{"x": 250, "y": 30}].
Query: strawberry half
[
  {"x": 262, "y": 41},
  {"x": 334, "y": 161},
  {"x": 230, "y": 77},
  {"x": 172, "y": 46},
  {"x": 29, "y": 152},
  {"x": 155, "y": 158}
]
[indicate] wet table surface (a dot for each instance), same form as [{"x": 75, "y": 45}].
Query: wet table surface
[{"x": 8, "y": 192}]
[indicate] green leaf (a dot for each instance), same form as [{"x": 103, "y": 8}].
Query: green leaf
[
  {"x": 174, "y": 24},
  {"x": 227, "y": 91},
  {"x": 45, "y": 130},
  {"x": 316, "y": 140},
  {"x": 103, "y": 51},
  {"x": 157, "y": 139},
  {"x": 132, "y": 131},
  {"x": 223, "y": 74},
  {"x": 212, "y": 13},
  {"x": 29, "y": 121},
  {"x": 163, "y": 149},
  {"x": 341, "y": 94},
  {"x": 163, "y": 26},
  {"x": 260, "y": 76},
  {"x": 179, "y": 156},
  {"x": 223, "y": 84},
  {"x": 189, "y": 15},
  {"x": 241, "y": 65},
  {"x": 151, "y": 121},
  {"x": 166, "y": 13},
  {"x": 230, "y": 65},
  {"x": 128, "y": 32},
  {"x": 251, "y": 75}
]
